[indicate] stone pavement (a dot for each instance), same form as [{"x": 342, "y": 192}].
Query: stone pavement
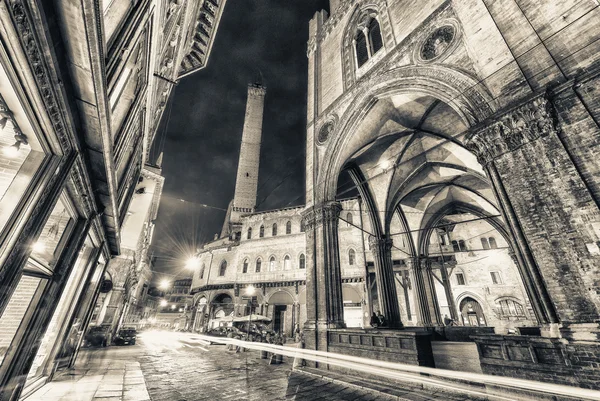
[
  {"x": 101, "y": 375},
  {"x": 168, "y": 366}
]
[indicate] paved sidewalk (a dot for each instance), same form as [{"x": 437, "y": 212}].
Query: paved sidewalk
[{"x": 109, "y": 378}]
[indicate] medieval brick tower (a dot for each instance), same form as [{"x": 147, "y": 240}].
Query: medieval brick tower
[{"x": 246, "y": 184}]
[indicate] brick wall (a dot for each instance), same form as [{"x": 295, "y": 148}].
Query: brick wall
[{"x": 15, "y": 311}]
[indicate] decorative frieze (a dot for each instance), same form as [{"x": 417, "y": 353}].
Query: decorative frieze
[
  {"x": 320, "y": 214},
  {"x": 512, "y": 129}
]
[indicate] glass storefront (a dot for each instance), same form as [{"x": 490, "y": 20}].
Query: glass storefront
[{"x": 57, "y": 329}]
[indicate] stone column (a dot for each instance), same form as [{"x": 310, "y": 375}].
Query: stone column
[
  {"x": 548, "y": 208},
  {"x": 324, "y": 305},
  {"x": 427, "y": 305},
  {"x": 386, "y": 284}
]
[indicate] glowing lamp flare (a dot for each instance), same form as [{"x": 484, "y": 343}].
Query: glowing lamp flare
[
  {"x": 164, "y": 284},
  {"x": 192, "y": 263},
  {"x": 250, "y": 290},
  {"x": 163, "y": 302},
  {"x": 38, "y": 247}
]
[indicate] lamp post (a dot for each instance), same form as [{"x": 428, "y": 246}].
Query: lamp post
[{"x": 250, "y": 290}]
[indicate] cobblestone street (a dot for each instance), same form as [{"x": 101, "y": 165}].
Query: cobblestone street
[{"x": 179, "y": 367}]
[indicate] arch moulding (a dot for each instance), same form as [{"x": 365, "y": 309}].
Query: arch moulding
[{"x": 460, "y": 91}]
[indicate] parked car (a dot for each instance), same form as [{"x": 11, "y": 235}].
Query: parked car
[
  {"x": 126, "y": 336},
  {"x": 96, "y": 336}
]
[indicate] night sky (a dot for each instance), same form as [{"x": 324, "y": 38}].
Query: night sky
[{"x": 201, "y": 139}]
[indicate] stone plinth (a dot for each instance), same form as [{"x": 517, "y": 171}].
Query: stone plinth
[
  {"x": 543, "y": 359},
  {"x": 409, "y": 347}
]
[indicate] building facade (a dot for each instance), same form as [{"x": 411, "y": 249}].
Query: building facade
[
  {"x": 467, "y": 130},
  {"x": 82, "y": 90},
  {"x": 443, "y": 112}
]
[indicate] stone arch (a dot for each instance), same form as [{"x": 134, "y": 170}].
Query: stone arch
[
  {"x": 280, "y": 295},
  {"x": 455, "y": 88}
]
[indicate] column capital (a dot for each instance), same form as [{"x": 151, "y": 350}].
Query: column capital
[
  {"x": 510, "y": 129},
  {"x": 320, "y": 214},
  {"x": 379, "y": 245}
]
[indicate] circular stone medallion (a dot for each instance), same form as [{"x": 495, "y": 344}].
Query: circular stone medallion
[{"x": 438, "y": 42}]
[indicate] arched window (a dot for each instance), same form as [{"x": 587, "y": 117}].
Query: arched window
[
  {"x": 261, "y": 233},
  {"x": 302, "y": 261},
  {"x": 223, "y": 268},
  {"x": 360, "y": 46},
  {"x": 287, "y": 262},
  {"x": 349, "y": 219},
  {"x": 493, "y": 243},
  {"x": 288, "y": 227},
  {"x": 511, "y": 308},
  {"x": 258, "y": 263},
  {"x": 375, "y": 40},
  {"x": 249, "y": 233},
  {"x": 202, "y": 271},
  {"x": 274, "y": 232},
  {"x": 485, "y": 244},
  {"x": 272, "y": 264},
  {"x": 461, "y": 245},
  {"x": 245, "y": 266},
  {"x": 351, "y": 257}
]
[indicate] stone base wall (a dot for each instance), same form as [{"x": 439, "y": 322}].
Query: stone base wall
[
  {"x": 409, "y": 347},
  {"x": 543, "y": 359}
]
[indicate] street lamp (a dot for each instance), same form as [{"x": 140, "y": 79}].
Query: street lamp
[
  {"x": 164, "y": 284},
  {"x": 163, "y": 302},
  {"x": 250, "y": 290},
  {"x": 192, "y": 263}
]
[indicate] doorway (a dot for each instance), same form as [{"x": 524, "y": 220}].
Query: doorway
[{"x": 279, "y": 318}]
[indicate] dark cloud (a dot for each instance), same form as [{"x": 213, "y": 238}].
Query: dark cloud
[{"x": 203, "y": 133}]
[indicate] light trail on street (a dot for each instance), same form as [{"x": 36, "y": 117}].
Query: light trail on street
[{"x": 425, "y": 376}]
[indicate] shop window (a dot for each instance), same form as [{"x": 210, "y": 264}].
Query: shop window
[
  {"x": 258, "y": 265},
  {"x": 223, "y": 268},
  {"x": 485, "y": 244},
  {"x": 46, "y": 249},
  {"x": 20, "y": 159},
  {"x": 288, "y": 227},
  {"x": 493, "y": 243},
  {"x": 496, "y": 278},
  {"x": 245, "y": 266},
  {"x": 287, "y": 263},
  {"x": 302, "y": 261},
  {"x": 351, "y": 257},
  {"x": 261, "y": 233}
]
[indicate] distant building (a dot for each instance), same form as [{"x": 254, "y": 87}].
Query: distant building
[{"x": 174, "y": 307}]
